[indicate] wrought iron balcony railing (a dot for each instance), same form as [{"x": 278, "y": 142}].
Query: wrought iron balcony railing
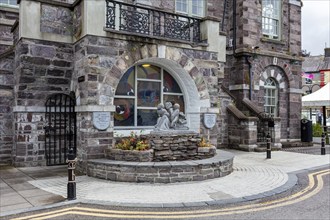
[{"x": 151, "y": 22}]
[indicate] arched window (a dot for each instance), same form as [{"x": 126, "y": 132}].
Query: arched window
[
  {"x": 139, "y": 92},
  {"x": 271, "y": 97}
]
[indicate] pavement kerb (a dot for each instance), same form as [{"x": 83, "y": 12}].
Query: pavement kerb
[{"x": 291, "y": 182}]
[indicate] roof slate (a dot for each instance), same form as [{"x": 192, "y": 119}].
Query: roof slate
[{"x": 316, "y": 63}]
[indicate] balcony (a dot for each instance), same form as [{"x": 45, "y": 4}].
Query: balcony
[{"x": 143, "y": 21}]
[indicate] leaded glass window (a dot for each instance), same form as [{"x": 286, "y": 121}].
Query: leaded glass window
[
  {"x": 271, "y": 94},
  {"x": 271, "y": 14},
  {"x": 139, "y": 92}
]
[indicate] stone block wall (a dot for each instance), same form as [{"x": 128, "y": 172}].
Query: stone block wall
[
  {"x": 242, "y": 134},
  {"x": 100, "y": 63},
  {"x": 56, "y": 20},
  {"x": 29, "y": 145},
  {"x": 162, "y": 172},
  {"x": 91, "y": 143},
  {"x": 7, "y": 83},
  {"x": 7, "y": 18},
  {"x": 249, "y": 32},
  {"x": 41, "y": 68},
  {"x": 179, "y": 146}
]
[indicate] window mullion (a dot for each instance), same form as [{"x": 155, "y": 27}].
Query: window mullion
[
  {"x": 162, "y": 85},
  {"x": 136, "y": 96}
]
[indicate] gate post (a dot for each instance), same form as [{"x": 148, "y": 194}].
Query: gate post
[{"x": 71, "y": 187}]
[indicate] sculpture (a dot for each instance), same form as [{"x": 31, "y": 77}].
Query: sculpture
[{"x": 170, "y": 117}]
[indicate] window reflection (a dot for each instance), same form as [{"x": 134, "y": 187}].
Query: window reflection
[
  {"x": 147, "y": 71},
  {"x": 124, "y": 114},
  {"x": 148, "y": 93},
  {"x": 146, "y": 117},
  {"x": 170, "y": 85},
  {"x": 126, "y": 84}
]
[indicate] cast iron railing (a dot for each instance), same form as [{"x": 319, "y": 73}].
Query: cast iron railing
[{"x": 151, "y": 22}]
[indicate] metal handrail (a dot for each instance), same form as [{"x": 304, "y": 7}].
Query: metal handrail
[{"x": 151, "y": 22}]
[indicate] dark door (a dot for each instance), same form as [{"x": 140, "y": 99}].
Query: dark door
[{"x": 60, "y": 129}]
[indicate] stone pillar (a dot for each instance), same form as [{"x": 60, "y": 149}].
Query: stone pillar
[
  {"x": 29, "y": 136},
  {"x": 6, "y": 108},
  {"x": 92, "y": 142},
  {"x": 277, "y": 133},
  {"x": 248, "y": 134}
]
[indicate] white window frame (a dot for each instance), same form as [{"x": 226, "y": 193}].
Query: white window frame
[
  {"x": 271, "y": 94},
  {"x": 8, "y": 4},
  {"x": 271, "y": 18},
  {"x": 188, "y": 10},
  {"x": 162, "y": 94}
]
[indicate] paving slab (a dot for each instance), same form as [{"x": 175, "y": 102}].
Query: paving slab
[{"x": 253, "y": 177}]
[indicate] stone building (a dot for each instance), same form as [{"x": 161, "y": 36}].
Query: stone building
[{"x": 119, "y": 59}]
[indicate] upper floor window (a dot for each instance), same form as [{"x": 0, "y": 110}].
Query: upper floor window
[
  {"x": 191, "y": 7},
  {"x": 271, "y": 98},
  {"x": 9, "y": 3},
  {"x": 271, "y": 14},
  {"x": 139, "y": 92}
]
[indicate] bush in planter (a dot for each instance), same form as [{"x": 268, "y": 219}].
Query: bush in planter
[{"x": 133, "y": 142}]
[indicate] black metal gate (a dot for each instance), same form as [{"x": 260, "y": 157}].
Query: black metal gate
[{"x": 60, "y": 130}]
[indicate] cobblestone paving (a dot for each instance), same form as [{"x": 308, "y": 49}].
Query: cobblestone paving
[
  {"x": 248, "y": 181},
  {"x": 253, "y": 174}
]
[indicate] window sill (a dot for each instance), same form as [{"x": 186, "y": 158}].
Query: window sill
[
  {"x": 9, "y": 8},
  {"x": 268, "y": 40}
]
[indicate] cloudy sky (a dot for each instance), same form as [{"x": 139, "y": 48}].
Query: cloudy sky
[{"x": 315, "y": 26}]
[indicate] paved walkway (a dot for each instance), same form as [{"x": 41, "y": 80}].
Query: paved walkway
[{"x": 253, "y": 177}]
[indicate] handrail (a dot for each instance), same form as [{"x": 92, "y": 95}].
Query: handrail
[{"x": 143, "y": 20}]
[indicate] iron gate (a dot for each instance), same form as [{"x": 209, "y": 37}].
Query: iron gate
[{"x": 60, "y": 130}]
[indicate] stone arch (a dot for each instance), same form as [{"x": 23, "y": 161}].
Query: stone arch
[
  {"x": 185, "y": 73},
  {"x": 276, "y": 73},
  {"x": 282, "y": 65}
]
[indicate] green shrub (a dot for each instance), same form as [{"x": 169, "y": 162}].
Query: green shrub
[{"x": 317, "y": 130}]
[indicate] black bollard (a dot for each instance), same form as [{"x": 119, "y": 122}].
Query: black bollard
[
  {"x": 269, "y": 150},
  {"x": 323, "y": 144},
  {"x": 71, "y": 176}
]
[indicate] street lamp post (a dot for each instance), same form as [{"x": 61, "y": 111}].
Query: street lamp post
[{"x": 310, "y": 90}]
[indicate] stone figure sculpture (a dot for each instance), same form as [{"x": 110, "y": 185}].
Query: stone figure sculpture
[{"x": 170, "y": 117}]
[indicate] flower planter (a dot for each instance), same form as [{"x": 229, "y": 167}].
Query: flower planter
[
  {"x": 130, "y": 155},
  {"x": 206, "y": 152}
]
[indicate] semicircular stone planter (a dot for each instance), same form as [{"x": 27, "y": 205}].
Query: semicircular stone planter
[{"x": 162, "y": 172}]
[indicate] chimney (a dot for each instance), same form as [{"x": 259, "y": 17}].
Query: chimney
[{"x": 327, "y": 52}]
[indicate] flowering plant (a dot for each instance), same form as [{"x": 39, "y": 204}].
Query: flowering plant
[
  {"x": 133, "y": 142},
  {"x": 204, "y": 143}
]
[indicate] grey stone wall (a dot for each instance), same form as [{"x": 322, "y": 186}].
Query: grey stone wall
[
  {"x": 56, "y": 20},
  {"x": 7, "y": 18},
  {"x": 41, "y": 68},
  {"x": 162, "y": 172},
  {"x": 100, "y": 63},
  {"x": 286, "y": 50},
  {"x": 7, "y": 83},
  {"x": 178, "y": 146}
]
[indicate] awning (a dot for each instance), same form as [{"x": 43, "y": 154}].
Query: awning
[{"x": 318, "y": 98}]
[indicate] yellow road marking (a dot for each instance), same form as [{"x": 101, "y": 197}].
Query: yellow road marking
[{"x": 297, "y": 197}]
